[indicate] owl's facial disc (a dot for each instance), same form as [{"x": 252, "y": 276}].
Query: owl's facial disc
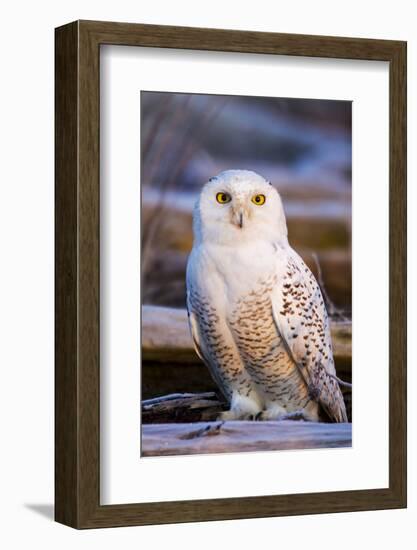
[{"x": 239, "y": 206}]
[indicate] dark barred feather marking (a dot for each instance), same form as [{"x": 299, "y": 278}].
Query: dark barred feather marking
[
  {"x": 213, "y": 348},
  {"x": 263, "y": 351}
]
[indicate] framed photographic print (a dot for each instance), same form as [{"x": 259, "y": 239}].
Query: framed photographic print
[{"x": 230, "y": 274}]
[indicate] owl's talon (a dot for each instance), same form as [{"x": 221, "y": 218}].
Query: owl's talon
[
  {"x": 296, "y": 415},
  {"x": 236, "y": 415},
  {"x": 224, "y": 416}
]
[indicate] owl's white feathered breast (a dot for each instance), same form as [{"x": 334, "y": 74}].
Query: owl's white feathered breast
[{"x": 256, "y": 312}]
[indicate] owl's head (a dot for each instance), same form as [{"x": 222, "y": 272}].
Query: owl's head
[{"x": 239, "y": 206}]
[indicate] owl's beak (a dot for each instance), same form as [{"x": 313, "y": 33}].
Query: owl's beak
[
  {"x": 238, "y": 217},
  {"x": 241, "y": 220}
]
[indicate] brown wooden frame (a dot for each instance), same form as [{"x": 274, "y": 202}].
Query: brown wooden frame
[{"x": 77, "y": 372}]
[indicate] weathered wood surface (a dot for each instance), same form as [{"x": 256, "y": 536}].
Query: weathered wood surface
[
  {"x": 182, "y": 407},
  {"x": 166, "y": 337},
  {"x": 241, "y": 436}
]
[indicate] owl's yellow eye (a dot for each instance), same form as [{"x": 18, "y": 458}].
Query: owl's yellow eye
[
  {"x": 222, "y": 198},
  {"x": 258, "y": 199}
]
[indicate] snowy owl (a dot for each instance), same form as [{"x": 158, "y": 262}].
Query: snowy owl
[{"x": 256, "y": 312}]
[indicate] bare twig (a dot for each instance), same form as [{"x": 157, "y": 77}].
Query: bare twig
[
  {"x": 184, "y": 139},
  {"x": 340, "y": 381},
  {"x": 332, "y": 310},
  {"x": 210, "y": 429}
]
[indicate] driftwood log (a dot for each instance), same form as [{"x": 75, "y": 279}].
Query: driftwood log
[
  {"x": 241, "y": 436},
  {"x": 181, "y": 407},
  {"x": 182, "y": 424},
  {"x": 166, "y": 337}
]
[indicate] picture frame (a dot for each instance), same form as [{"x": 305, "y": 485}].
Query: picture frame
[{"x": 77, "y": 293}]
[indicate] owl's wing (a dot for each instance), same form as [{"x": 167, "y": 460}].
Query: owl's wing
[
  {"x": 301, "y": 318},
  {"x": 202, "y": 346}
]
